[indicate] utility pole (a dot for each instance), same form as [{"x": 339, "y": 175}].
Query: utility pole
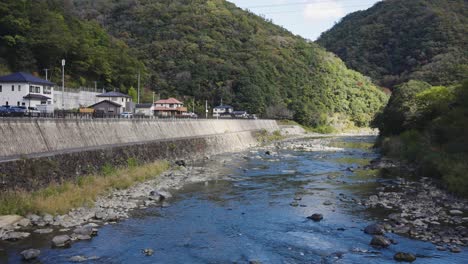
[
  {"x": 63, "y": 83},
  {"x": 95, "y": 86},
  {"x": 46, "y": 75},
  {"x": 138, "y": 86},
  {"x": 206, "y": 109},
  {"x": 153, "y": 96}
]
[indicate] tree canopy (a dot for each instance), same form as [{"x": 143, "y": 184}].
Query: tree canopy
[{"x": 399, "y": 40}]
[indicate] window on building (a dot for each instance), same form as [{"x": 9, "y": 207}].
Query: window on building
[
  {"x": 122, "y": 100},
  {"x": 12, "y": 88},
  {"x": 1, "y": 89},
  {"x": 38, "y": 89},
  {"x": 31, "y": 89},
  {"x": 19, "y": 88},
  {"x": 47, "y": 90}
]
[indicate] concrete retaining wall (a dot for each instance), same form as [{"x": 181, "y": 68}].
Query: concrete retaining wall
[
  {"x": 38, "y": 172},
  {"x": 31, "y": 136},
  {"x": 35, "y": 153}
]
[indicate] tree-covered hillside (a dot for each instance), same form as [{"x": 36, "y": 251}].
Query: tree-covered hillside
[
  {"x": 202, "y": 49},
  {"x": 37, "y": 35},
  {"x": 215, "y": 51},
  {"x": 399, "y": 40}
]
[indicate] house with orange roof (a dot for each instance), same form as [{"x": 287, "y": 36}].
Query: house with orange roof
[{"x": 170, "y": 107}]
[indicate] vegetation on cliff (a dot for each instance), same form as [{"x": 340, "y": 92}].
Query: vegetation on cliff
[
  {"x": 427, "y": 125},
  {"x": 399, "y": 40}
]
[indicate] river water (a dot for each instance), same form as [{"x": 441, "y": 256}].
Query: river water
[{"x": 247, "y": 216}]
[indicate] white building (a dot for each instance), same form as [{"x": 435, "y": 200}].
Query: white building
[
  {"x": 23, "y": 89},
  {"x": 144, "y": 109}
]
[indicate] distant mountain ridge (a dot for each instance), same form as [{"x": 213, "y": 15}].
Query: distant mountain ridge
[{"x": 398, "y": 40}]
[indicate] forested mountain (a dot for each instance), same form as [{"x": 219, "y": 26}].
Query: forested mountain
[
  {"x": 399, "y": 40},
  {"x": 36, "y": 35},
  {"x": 203, "y": 49}
]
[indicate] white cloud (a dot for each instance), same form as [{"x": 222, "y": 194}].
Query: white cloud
[{"x": 321, "y": 10}]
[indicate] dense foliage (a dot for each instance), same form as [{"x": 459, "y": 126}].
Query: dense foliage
[
  {"x": 399, "y": 40},
  {"x": 197, "y": 49},
  {"x": 37, "y": 35},
  {"x": 428, "y": 125},
  {"x": 212, "y": 50}
]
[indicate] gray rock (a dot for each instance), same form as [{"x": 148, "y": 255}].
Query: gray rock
[
  {"x": 25, "y": 222},
  {"x": 49, "y": 219},
  {"x": 61, "y": 241},
  {"x": 159, "y": 195},
  {"x": 455, "y": 250},
  {"x": 30, "y": 254},
  {"x": 44, "y": 231},
  {"x": 455, "y": 212},
  {"x": 316, "y": 217},
  {"x": 148, "y": 251},
  {"x": 374, "y": 229},
  {"x": 294, "y": 204},
  {"x": 82, "y": 237},
  {"x": 86, "y": 231},
  {"x": 13, "y": 236},
  {"x": 327, "y": 203},
  {"x": 406, "y": 257},
  {"x": 380, "y": 242}
]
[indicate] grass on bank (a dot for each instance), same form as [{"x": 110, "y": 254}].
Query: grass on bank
[
  {"x": 264, "y": 136},
  {"x": 60, "y": 198}
]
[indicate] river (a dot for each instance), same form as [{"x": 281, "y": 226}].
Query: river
[{"x": 256, "y": 211}]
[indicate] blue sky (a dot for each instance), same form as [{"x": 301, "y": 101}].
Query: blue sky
[{"x": 308, "y": 18}]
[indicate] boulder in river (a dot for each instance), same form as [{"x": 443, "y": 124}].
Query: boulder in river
[
  {"x": 455, "y": 250},
  {"x": 148, "y": 251},
  {"x": 316, "y": 217},
  {"x": 61, "y": 241},
  {"x": 380, "y": 242},
  {"x": 456, "y": 212},
  {"x": 13, "y": 236},
  {"x": 404, "y": 257},
  {"x": 30, "y": 254},
  {"x": 374, "y": 229}
]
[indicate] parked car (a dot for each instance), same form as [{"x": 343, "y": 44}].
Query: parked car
[
  {"x": 126, "y": 115},
  {"x": 18, "y": 111},
  {"x": 253, "y": 116},
  {"x": 5, "y": 110},
  {"x": 33, "y": 111}
]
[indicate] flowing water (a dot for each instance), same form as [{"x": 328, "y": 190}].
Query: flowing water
[{"x": 247, "y": 216}]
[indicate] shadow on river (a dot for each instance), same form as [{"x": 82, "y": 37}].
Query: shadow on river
[{"x": 249, "y": 217}]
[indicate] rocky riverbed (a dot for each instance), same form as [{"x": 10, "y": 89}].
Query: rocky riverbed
[
  {"x": 421, "y": 210},
  {"x": 295, "y": 201}
]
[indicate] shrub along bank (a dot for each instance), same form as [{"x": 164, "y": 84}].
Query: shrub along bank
[
  {"x": 60, "y": 198},
  {"x": 427, "y": 125}
]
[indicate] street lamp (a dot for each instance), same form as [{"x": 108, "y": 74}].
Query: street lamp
[{"x": 63, "y": 83}]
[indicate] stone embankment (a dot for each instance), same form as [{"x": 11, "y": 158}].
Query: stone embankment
[{"x": 39, "y": 152}]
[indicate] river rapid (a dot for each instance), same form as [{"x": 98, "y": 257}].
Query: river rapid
[{"x": 255, "y": 211}]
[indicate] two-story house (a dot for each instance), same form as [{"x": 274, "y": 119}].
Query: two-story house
[
  {"x": 169, "y": 108},
  {"x": 23, "y": 89}
]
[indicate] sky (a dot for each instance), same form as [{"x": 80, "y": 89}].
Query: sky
[{"x": 307, "y": 18}]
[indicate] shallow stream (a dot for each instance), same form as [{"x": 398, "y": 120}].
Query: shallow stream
[{"x": 250, "y": 215}]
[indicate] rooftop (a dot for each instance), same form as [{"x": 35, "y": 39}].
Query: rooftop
[
  {"x": 107, "y": 101},
  {"x": 114, "y": 94},
  {"x": 223, "y": 106},
  {"x": 36, "y": 97},
  {"x": 22, "y": 77},
  {"x": 168, "y": 101},
  {"x": 148, "y": 105}
]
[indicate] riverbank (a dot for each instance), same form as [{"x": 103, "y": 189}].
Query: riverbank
[{"x": 418, "y": 208}]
